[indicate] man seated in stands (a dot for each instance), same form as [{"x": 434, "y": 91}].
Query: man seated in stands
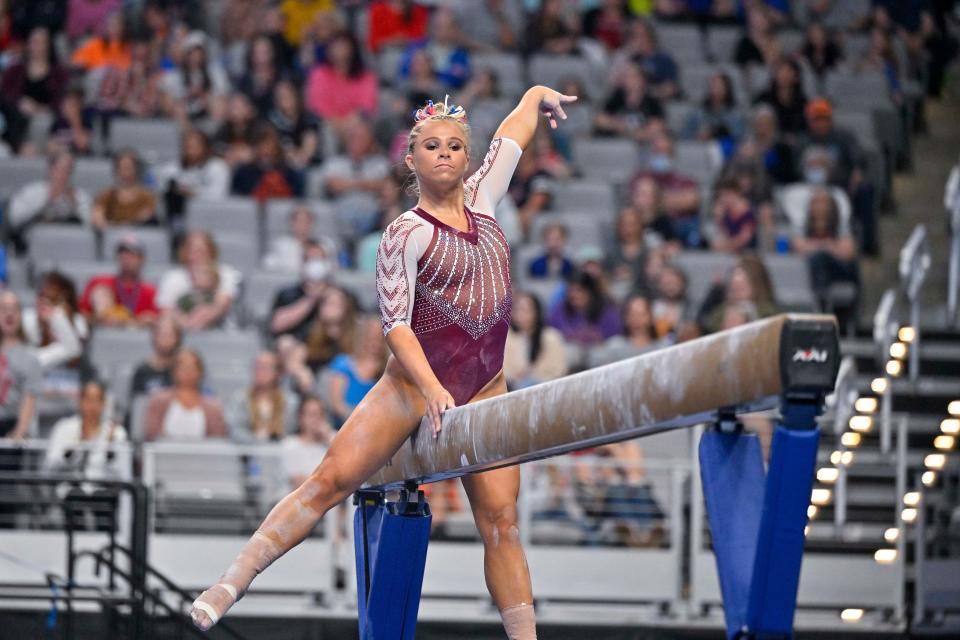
[
  {"x": 554, "y": 262},
  {"x": 122, "y": 299},
  {"x": 295, "y": 307},
  {"x": 679, "y": 193},
  {"x": 53, "y": 199},
  {"x": 845, "y": 168}
]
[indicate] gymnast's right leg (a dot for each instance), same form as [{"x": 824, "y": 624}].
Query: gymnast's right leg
[{"x": 372, "y": 433}]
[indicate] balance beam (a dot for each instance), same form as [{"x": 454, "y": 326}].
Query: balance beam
[{"x": 750, "y": 368}]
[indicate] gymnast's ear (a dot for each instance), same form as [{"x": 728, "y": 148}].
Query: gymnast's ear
[{"x": 408, "y": 159}]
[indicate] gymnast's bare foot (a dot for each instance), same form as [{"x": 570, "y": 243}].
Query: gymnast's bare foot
[{"x": 212, "y": 604}]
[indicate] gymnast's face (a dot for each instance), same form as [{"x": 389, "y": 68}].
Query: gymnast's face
[{"x": 440, "y": 154}]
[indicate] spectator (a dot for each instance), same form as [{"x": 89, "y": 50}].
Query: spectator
[
  {"x": 395, "y": 23},
  {"x": 392, "y": 205},
  {"x": 182, "y": 412},
  {"x": 128, "y": 201},
  {"x": 299, "y": 130},
  {"x": 679, "y": 193},
  {"x": 657, "y": 66},
  {"x": 355, "y": 179},
  {"x": 21, "y": 375},
  {"x": 46, "y": 14},
  {"x": 197, "y": 174},
  {"x": 630, "y": 111},
  {"x": 268, "y": 175},
  {"x": 625, "y": 254},
  {"x": 261, "y": 75},
  {"x": 758, "y": 44},
  {"x": 198, "y": 260},
  {"x": 585, "y": 316},
  {"x": 717, "y": 117},
  {"x": 748, "y": 282},
  {"x": 55, "y": 327},
  {"x": 534, "y": 352},
  {"x": 553, "y": 29},
  {"x": 32, "y": 86},
  {"x": 831, "y": 155},
  {"x": 318, "y": 36},
  {"x": 301, "y": 453},
  {"x": 353, "y": 373},
  {"x": 295, "y": 308},
  {"x": 264, "y": 411},
  {"x": 241, "y": 20},
  {"x": 530, "y": 188},
  {"x": 607, "y": 23},
  {"x": 419, "y": 81},
  {"x": 785, "y": 94},
  {"x": 880, "y": 58},
  {"x": 134, "y": 91},
  {"x": 83, "y": 442},
  {"x": 341, "y": 86},
  {"x": 198, "y": 86},
  {"x": 110, "y": 48},
  {"x": 54, "y": 199},
  {"x": 639, "y": 334},
  {"x": 72, "y": 129},
  {"x": 735, "y": 220},
  {"x": 671, "y": 308},
  {"x": 491, "y": 24},
  {"x": 820, "y": 49},
  {"x": 298, "y": 15},
  {"x": 156, "y": 372},
  {"x": 830, "y": 249},
  {"x": 333, "y": 330},
  {"x": 483, "y": 90},
  {"x": 451, "y": 62},
  {"x": 554, "y": 262},
  {"x": 234, "y": 139},
  {"x": 122, "y": 299},
  {"x": 287, "y": 252},
  {"x": 647, "y": 200},
  {"x": 764, "y": 151},
  {"x": 85, "y": 17}
]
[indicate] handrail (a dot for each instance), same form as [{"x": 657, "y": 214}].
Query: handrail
[
  {"x": 915, "y": 261},
  {"x": 884, "y": 328},
  {"x": 953, "y": 191}
]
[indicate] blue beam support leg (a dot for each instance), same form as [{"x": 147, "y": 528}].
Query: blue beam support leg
[
  {"x": 391, "y": 551},
  {"x": 757, "y": 520}
]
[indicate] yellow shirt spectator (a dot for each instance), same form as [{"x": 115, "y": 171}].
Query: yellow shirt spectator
[{"x": 298, "y": 15}]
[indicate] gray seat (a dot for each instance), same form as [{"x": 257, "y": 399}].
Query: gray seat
[
  {"x": 509, "y": 70},
  {"x": 723, "y": 42},
  {"x": 232, "y": 215},
  {"x": 701, "y": 161},
  {"x": 591, "y": 199},
  {"x": 554, "y": 71},
  {"x": 238, "y": 250},
  {"x": 211, "y": 477},
  {"x": 229, "y": 349},
  {"x": 138, "y": 414},
  {"x": 791, "y": 281},
  {"x": 79, "y": 272},
  {"x": 609, "y": 160},
  {"x": 702, "y": 269},
  {"x": 584, "y": 230},
  {"x": 17, "y": 172},
  {"x": 156, "y": 140},
  {"x": 682, "y": 41},
  {"x": 62, "y": 242},
  {"x": 93, "y": 174},
  {"x": 259, "y": 291},
  {"x": 111, "y": 347},
  {"x": 678, "y": 112},
  {"x": 277, "y": 216},
  {"x": 155, "y": 242},
  {"x": 361, "y": 284},
  {"x": 543, "y": 289}
]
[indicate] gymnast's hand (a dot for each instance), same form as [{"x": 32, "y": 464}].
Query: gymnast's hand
[
  {"x": 551, "y": 105},
  {"x": 438, "y": 401}
]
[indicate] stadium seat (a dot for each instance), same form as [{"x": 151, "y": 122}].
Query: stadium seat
[
  {"x": 156, "y": 140},
  {"x": 553, "y": 71},
  {"x": 224, "y": 350},
  {"x": 792, "y": 200},
  {"x": 277, "y": 216},
  {"x": 509, "y": 69},
  {"x": 155, "y": 241},
  {"x": 701, "y": 161},
  {"x": 232, "y": 215},
  {"x": 17, "y": 172},
  {"x": 239, "y": 250},
  {"x": 259, "y": 291},
  {"x": 361, "y": 284},
  {"x": 584, "y": 230},
  {"x": 791, "y": 281},
  {"x": 607, "y": 159},
  {"x": 62, "y": 242},
  {"x": 596, "y": 200},
  {"x": 93, "y": 175},
  {"x": 703, "y": 269},
  {"x": 723, "y": 42},
  {"x": 110, "y": 347},
  {"x": 684, "y": 43}
]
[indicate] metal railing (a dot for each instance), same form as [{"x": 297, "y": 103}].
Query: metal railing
[
  {"x": 915, "y": 261},
  {"x": 953, "y": 287}
]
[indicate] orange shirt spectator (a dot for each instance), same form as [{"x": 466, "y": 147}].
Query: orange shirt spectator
[
  {"x": 396, "y": 23},
  {"x": 108, "y": 49}
]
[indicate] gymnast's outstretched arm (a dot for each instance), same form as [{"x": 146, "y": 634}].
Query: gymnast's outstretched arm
[{"x": 521, "y": 124}]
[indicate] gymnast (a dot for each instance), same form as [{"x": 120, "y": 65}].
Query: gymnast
[{"x": 443, "y": 285}]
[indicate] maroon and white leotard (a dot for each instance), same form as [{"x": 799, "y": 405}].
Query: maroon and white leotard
[{"x": 452, "y": 287}]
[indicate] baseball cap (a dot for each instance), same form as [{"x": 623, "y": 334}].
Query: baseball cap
[
  {"x": 130, "y": 242},
  {"x": 819, "y": 108}
]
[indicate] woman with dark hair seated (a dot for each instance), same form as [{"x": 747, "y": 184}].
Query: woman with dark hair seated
[
  {"x": 128, "y": 201},
  {"x": 534, "y": 353},
  {"x": 586, "y": 316}
]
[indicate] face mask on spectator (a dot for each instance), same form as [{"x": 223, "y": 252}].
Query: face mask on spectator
[
  {"x": 660, "y": 163},
  {"x": 815, "y": 175}
]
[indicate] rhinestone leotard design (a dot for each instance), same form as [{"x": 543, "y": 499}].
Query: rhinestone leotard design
[{"x": 452, "y": 287}]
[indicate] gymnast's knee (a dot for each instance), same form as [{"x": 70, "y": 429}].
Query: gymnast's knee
[
  {"x": 326, "y": 486},
  {"x": 499, "y": 526}
]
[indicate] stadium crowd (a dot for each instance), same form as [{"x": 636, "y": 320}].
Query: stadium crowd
[{"x": 217, "y": 175}]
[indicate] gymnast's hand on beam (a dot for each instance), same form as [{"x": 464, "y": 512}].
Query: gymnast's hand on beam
[{"x": 438, "y": 401}]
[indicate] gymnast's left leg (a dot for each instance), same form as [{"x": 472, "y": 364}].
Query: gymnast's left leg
[{"x": 493, "y": 499}]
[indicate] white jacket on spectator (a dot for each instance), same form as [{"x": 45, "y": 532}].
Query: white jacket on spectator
[
  {"x": 67, "y": 342},
  {"x": 32, "y": 201},
  {"x": 210, "y": 181},
  {"x": 68, "y": 452}
]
